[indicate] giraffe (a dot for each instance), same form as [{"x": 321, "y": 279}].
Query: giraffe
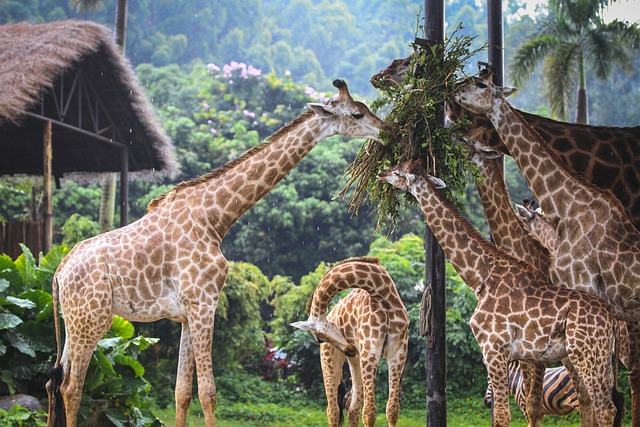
[
  {"x": 543, "y": 231},
  {"x": 374, "y": 318},
  {"x": 520, "y": 315},
  {"x": 607, "y": 156},
  {"x": 598, "y": 243},
  {"x": 168, "y": 264}
]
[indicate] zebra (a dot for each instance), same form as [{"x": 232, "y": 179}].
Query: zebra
[{"x": 559, "y": 397}]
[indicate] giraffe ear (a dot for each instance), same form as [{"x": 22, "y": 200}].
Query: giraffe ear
[
  {"x": 523, "y": 211},
  {"x": 319, "y": 109},
  {"x": 506, "y": 92},
  {"x": 437, "y": 182},
  {"x": 305, "y": 326}
]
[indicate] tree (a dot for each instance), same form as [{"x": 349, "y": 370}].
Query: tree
[{"x": 570, "y": 40}]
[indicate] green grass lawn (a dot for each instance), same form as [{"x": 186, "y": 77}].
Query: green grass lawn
[{"x": 460, "y": 413}]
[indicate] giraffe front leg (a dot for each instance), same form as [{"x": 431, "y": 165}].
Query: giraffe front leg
[
  {"x": 533, "y": 378},
  {"x": 497, "y": 365},
  {"x": 201, "y": 342},
  {"x": 332, "y": 360},
  {"x": 184, "y": 377}
]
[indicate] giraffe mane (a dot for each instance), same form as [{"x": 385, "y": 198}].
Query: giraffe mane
[
  {"x": 169, "y": 195},
  {"x": 366, "y": 259},
  {"x": 607, "y": 194}
]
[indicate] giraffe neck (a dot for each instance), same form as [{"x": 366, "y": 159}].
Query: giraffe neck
[
  {"x": 508, "y": 232},
  {"x": 223, "y": 195},
  {"x": 549, "y": 179},
  {"x": 364, "y": 273},
  {"x": 466, "y": 250}
]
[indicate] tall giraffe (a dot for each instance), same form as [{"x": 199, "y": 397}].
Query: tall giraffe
[
  {"x": 372, "y": 317},
  {"x": 520, "y": 315},
  {"x": 598, "y": 247},
  {"x": 168, "y": 264},
  {"x": 607, "y": 156}
]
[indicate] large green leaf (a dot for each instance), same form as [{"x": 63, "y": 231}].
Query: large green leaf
[
  {"x": 138, "y": 369},
  {"x": 9, "y": 272},
  {"x": 4, "y": 284},
  {"x": 26, "y": 265},
  {"x": 117, "y": 417},
  {"x": 49, "y": 264},
  {"x": 20, "y": 302},
  {"x": 121, "y": 328},
  {"x": 8, "y": 321},
  {"x": 20, "y": 342}
]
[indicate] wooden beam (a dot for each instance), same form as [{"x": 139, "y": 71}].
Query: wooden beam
[
  {"x": 47, "y": 178},
  {"x": 124, "y": 186}
]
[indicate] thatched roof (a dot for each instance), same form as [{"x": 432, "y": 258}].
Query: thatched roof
[{"x": 72, "y": 73}]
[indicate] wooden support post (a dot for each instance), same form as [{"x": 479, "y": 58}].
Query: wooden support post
[
  {"x": 436, "y": 366},
  {"x": 124, "y": 186},
  {"x": 47, "y": 173}
]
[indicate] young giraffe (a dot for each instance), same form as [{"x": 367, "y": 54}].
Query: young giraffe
[
  {"x": 598, "y": 244},
  {"x": 520, "y": 315},
  {"x": 374, "y": 318},
  {"x": 520, "y": 238},
  {"x": 168, "y": 264},
  {"x": 543, "y": 231}
]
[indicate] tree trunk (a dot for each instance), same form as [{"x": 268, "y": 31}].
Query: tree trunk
[{"x": 108, "y": 199}]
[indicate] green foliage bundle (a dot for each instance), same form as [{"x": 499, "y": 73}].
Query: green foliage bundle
[{"x": 417, "y": 118}]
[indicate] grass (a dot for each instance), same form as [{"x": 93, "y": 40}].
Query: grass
[{"x": 460, "y": 413}]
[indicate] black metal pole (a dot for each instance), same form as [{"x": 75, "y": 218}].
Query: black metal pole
[
  {"x": 496, "y": 39},
  {"x": 434, "y": 313}
]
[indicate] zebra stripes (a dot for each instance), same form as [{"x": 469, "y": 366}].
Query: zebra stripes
[{"x": 559, "y": 397}]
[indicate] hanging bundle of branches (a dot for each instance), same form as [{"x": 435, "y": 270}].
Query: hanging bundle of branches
[{"x": 415, "y": 103}]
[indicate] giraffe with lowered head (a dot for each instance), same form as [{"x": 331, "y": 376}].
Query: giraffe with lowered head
[
  {"x": 520, "y": 315},
  {"x": 370, "y": 323},
  {"x": 168, "y": 264}
]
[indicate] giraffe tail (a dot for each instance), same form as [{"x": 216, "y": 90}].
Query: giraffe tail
[{"x": 57, "y": 416}]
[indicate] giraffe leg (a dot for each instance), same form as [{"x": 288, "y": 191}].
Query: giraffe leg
[
  {"x": 201, "y": 342},
  {"x": 633, "y": 365},
  {"x": 591, "y": 371},
  {"x": 396, "y": 366},
  {"x": 79, "y": 347},
  {"x": 355, "y": 399},
  {"x": 332, "y": 360},
  {"x": 369, "y": 371},
  {"x": 497, "y": 365},
  {"x": 586, "y": 411},
  {"x": 184, "y": 377},
  {"x": 533, "y": 378}
]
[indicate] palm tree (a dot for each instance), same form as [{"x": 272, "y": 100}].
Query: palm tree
[
  {"x": 108, "y": 197},
  {"x": 570, "y": 40}
]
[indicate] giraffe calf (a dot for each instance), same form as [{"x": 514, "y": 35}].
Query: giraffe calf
[{"x": 371, "y": 320}]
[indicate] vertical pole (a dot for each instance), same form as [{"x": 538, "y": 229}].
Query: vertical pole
[
  {"x": 436, "y": 367},
  {"x": 47, "y": 237},
  {"x": 124, "y": 187},
  {"x": 496, "y": 40}
]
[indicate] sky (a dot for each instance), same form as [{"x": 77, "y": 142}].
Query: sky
[{"x": 626, "y": 10}]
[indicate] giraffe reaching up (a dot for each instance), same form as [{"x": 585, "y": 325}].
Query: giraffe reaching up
[
  {"x": 598, "y": 247},
  {"x": 168, "y": 264},
  {"x": 374, "y": 318},
  {"x": 609, "y": 157},
  {"x": 520, "y": 315}
]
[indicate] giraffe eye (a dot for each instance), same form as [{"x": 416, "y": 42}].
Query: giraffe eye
[
  {"x": 481, "y": 85},
  {"x": 357, "y": 115}
]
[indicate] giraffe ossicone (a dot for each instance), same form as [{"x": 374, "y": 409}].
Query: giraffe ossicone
[{"x": 169, "y": 265}]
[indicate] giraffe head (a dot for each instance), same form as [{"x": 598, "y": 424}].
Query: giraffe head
[
  {"x": 405, "y": 176},
  {"x": 477, "y": 151},
  {"x": 480, "y": 95},
  {"x": 342, "y": 115},
  {"x": 538, "y": 225},
  {"x": 395, "y": 73},
  {"x": 325, "y": 331}
]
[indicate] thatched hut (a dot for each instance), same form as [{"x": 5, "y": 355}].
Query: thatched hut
[{"x": 70, "y": 104}]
